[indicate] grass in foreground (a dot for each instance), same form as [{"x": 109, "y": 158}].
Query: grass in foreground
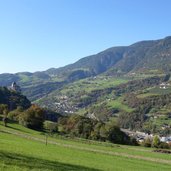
[{"x": 18, "y": 153}]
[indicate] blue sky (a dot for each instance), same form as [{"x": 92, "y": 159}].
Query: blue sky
[{"x": 39, "y": 34}]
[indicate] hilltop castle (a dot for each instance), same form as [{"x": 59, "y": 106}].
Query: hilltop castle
[{"x": 15, "y": 87}]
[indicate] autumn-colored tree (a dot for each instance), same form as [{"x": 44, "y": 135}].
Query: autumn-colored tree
[
  {"x": 4, "y": 110},
  {"x": 32, "y": 117}
]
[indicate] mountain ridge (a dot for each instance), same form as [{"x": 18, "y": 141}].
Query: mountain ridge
[
  {"x": 90, "y": 56},
  {"x": 143, "y": 56}
]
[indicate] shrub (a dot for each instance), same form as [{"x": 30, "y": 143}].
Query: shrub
[
  {"x": 156, "y": 142},
  {"x": 163, "y": 145},
  {"x": 32, "y": 117},
  {"x": 50, "y": 126},
  {"x": 115, "y": 135},
  {"x": 14, "y": 115},
  {"x": 147, "y": 142}
]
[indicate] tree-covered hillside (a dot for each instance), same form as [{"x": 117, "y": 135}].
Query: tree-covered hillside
[
  {"x": 149, "y": 57},
  {"x": 13, "y": 99}
]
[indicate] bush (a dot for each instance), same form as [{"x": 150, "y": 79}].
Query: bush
[
  {"x": 14, "y": 115},
  {"x": 50, "y": 126},
  {"x": 164, "y": 145},
  {"x": 32, "y": 118},
  {"x": 83, "y": 127},
  {"x": 3, "y": 107},
  {"x": 147, "y": 142},
  {"x": 115, "y": 135},
  {"x": 156, "y": 142}
]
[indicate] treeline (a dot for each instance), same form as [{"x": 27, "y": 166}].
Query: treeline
[
  {"x": 74, "y": 126},
  {"x": 32, "y": 117},
  {"x": 83, "y": 127},
  {"x": 155, "y": 143}
]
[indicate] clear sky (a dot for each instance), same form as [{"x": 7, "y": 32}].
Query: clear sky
[{"x": 39, "y": 34}]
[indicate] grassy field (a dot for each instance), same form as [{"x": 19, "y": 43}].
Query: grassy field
[
  {"x": 25, "y": 149},
  {"x": 117, "y": 104}
]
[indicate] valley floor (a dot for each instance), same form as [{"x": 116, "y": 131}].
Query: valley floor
[{"x": 25, "y": 149}]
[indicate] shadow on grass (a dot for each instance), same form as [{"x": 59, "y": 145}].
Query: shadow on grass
[
  {"x": 27, "y": 162},
  {"x": 17, "y": 129}
]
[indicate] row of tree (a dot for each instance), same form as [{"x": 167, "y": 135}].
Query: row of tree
[
  {"x": 84, "y": 127},
  {"x": 74, "y": 125},
  {"x": 33, "y": 117},
  {"x": 155, "y": 143}
]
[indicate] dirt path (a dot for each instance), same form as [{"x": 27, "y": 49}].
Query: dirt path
[{"x": 89, "y": 149}]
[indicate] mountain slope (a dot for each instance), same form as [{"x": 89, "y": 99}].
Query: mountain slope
[{"x": 141, "y": 57}]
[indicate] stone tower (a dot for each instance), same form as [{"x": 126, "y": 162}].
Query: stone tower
[{"x": 15, "y": 87}]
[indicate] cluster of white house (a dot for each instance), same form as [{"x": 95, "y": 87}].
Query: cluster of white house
[
  {"x": 140, "y": 136},
  {"x": 166, "y": 139},
  {"x": 164, "y": 85}
]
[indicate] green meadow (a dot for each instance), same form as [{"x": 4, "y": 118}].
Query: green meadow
[
  {"x": 24, "y": 150},
  {"x": 117, "y": 104}
]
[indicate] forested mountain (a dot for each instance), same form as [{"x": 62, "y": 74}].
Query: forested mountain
[{"x": 141, "y": 57}]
